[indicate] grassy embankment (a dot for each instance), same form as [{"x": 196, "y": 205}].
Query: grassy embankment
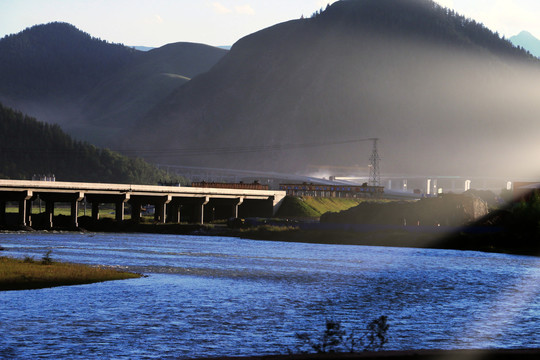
[
  {"x": 313, "y": 207},
  {"x": 309, "y": 208},
  {"x": 30, "y": 274}
]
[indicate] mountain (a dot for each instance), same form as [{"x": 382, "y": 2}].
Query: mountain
[
  {"x": 56, "y": 60},
  {"x": 142, "y": 48},
  {"x": 62, "y": 75},
  {"x": 117, "y": 102},
  {"x": 45, "y": 69},
  {"x": 29, "y": 147},
  {"x": 527, "y": 41},
  {"x": 444, "y": 94}
]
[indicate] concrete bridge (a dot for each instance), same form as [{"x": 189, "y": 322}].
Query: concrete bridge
[{"x": 171, "y": 203}]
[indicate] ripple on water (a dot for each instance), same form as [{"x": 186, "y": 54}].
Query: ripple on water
[{"x": 226, "y": 296}]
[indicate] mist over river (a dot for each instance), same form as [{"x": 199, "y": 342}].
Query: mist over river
[{"x": 210, "y": 296}]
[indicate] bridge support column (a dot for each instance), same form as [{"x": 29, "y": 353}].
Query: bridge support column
[
  {"x": 23, "y": 201},
  {"x": 200, "y": 209},
  {"x": 160, "y": 214},
  {"x": 118, "y": 200},
  {"x": 29, "y": 212},
  {"x": 173, "y": 210},
  {"x": 49, "y": 211},
  {"x": 120, "y": 207},
  {"x": 95, "y": 210},
  {"x": 75, "y": 210},
  {"x": 235, "y": 206},
  {"x": 119, "y": 211},
  {"x": 2, "y": 213},
  {"x": 136, "y": 208}
]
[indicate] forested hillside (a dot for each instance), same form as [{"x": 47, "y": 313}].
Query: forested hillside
[
  {"x": 91, "y": 88},
  {"x": 29, "y": 147},
  {"x": 55, "y": 61}
]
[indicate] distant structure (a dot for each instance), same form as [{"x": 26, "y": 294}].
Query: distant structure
[
  {"x": 339, "y": 191},
  {"x": 244, "y": 186},
  {"x": 524, "y": 191},
  {"x": 374, "y": 172},
  {"x": 42, "y": 177}
]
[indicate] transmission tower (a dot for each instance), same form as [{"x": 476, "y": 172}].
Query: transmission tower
[{"x": 374, "y": 174}]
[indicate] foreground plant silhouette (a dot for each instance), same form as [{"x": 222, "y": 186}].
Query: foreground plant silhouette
[{"x": 335, "y": 339}]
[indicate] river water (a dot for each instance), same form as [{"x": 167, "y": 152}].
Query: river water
[{"x": 210, "y": 296}]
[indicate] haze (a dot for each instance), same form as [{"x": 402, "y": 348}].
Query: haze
[{"x": 220, "y": 22}]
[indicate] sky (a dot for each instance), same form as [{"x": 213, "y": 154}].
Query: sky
[{"x": 220, "y": 22}]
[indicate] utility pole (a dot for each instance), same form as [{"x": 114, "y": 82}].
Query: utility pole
[{"x": 374, "y": 173}]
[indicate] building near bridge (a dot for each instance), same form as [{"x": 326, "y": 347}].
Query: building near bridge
[
  {"x": 223, "y": 185},
  {"x": 335, "y": 190}
]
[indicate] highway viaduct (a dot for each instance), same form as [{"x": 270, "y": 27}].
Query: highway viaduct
[{"x": 170, "y": 201}]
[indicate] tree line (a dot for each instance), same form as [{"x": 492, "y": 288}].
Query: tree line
[{"x": 29, "y": 147}]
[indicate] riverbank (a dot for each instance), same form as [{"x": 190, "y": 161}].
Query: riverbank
[
  {"x": 491, "y": 354},
  {"x": 28, "y": 274},
  {"x": 474, "y": 238}
]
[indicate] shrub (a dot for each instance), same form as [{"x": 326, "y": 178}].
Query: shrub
[
  {"x": 46, "y": 259},
  {"x": 334, "y": 338}
]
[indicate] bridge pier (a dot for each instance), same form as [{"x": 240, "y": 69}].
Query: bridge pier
[
  {"x": 119, "y": 210},
  {"x": 22, "y": 198},
  {"x": 74, "y": 214},
  {"x": 49, "y": 213},
  {"x": 136, "y": 208},
  {"x": 200, "y": 208},
  {"x": 173, "y": 211},
  {"x": 29, "y": 212},
  {"x": 160, "y": 214},
  {"x": 195, "y": 204},
  {"x": 159, "y": 201},
  {"x": 72, "y": 198},
  {"x": 118, "y": 201},
  {"x": 235, "y": 206},
  {"x": 95, "y": 210},
  {"x": 2, "y": 212}
]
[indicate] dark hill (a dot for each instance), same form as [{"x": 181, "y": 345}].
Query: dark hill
[
  {"x": 56, "y": 60},
  {"x": 443, "y": 93},
  {"x": 29, "y": 147},
  {"x": 118, "y": 102},
  {"x": 92, "y": 88}
]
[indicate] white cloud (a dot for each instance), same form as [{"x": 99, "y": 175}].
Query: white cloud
[
  {"x": 321, "y": 4},
  {"x": 446, "y": 3},
  {"x": 244, "y": 9},
  {"x": 158, "y": 19},
  {"x": 220, "y": 8}
]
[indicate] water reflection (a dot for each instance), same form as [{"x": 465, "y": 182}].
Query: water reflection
[{"x": 224, "y": 296}]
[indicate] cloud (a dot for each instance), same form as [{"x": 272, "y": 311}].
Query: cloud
[
  {"x": 321, "y": 4},
  {"x": 220, "y": 8},
  {"x": 446, "y": 3},
  {"x": 155, "y": 19},
  {"x": 244, "y": 9}
]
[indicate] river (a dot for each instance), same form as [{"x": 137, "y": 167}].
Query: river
[{"x": 210, "y": 296}]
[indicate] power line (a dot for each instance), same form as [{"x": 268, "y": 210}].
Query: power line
[{"x": 179, "y": 152}]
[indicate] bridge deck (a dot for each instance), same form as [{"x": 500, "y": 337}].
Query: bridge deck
[{"x": 167, "y": 199}]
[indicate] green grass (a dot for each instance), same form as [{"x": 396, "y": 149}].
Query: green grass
[
  {"x": 104, "y": 212},
  {"x": 18, "y": 274},
  {"x": 314, "y": 207}
]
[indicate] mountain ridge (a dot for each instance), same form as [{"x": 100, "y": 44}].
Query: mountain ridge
[
  {"x": 60, "y": 74},
  {"x": 329, "y": 78},
  {"x": 527, "y": 41},
  {"x": 442, "y": 92}
]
